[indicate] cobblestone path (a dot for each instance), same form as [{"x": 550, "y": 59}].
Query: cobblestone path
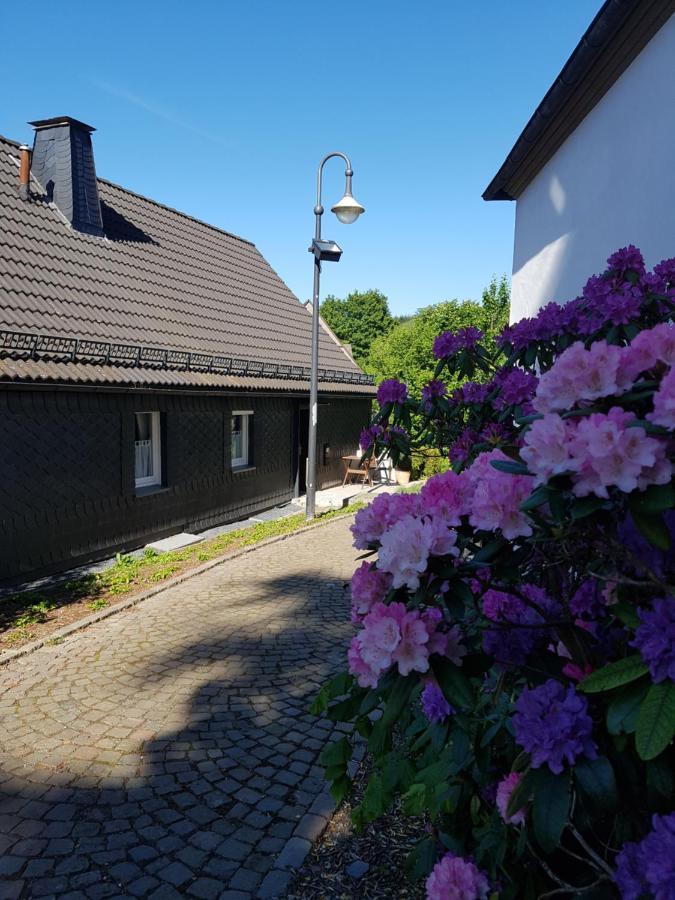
[{"x": 167, "y": 751}]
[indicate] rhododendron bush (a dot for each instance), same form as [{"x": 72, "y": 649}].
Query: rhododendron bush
[{"x": 513, "y": 666}]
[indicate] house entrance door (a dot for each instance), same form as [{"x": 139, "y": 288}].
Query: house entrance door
[{"x": 302, "y": 444}]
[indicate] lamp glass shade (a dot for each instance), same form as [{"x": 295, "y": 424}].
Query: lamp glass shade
[{"x": 347, "y": 210}]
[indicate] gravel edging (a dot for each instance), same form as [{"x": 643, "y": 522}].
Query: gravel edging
[{"x": 9, "y": 655}]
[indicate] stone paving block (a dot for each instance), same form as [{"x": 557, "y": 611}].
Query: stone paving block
[
  {"x": 293, "y": 854},
  {"x": 274, "y": 884},
  {"x": 176, "y": 753}
]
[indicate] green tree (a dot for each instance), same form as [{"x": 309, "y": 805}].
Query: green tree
[
  {"x": 404, "y": 352},
  {"x": 358, "y": 320}
]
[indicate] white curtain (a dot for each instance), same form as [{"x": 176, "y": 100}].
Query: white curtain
[{"x": 143, "y": 459}]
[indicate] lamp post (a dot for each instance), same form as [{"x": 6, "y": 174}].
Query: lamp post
[{"x": 347, "y": 211}]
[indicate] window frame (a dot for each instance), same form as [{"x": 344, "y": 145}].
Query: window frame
[
  {"x": 154, "y": 480},
  {"x": 244, "y": 461}
]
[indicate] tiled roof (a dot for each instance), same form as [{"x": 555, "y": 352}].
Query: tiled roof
[
  {"x": 159, "y": 279},
  {"x": 87, "y": 374}
]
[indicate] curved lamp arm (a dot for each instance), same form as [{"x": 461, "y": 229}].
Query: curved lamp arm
[{"x": 318, "y": 209}]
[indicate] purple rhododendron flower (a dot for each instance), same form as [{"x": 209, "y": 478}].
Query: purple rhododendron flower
[
  {"x": 454, "y": 878},
  {"x": 647, "y": 868},
  {"x": 370, "y": 435},
  {"x": 587, "y": 601},
  {"x": 512, "y": 646},
  {"x": 627, "y": 259},
  {"x": 436, "y": 708},
  {"x": 393, "y": 430},
  {"x": 494, "y": 433},
  {"x": 391, "y": 390},
  {"x": 552, "y": 723},
  {"x": 471, "y": 392},
  {"x": 655, "y": 639},
  {"x": 665, "y": 272},
  {"x": 516, "y": 387},
  {"x": 435, "y": 388},
  {"x": 460, "y": 450},
  {"x": 450, "y": 342}
]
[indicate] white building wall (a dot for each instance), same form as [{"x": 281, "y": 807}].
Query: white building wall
[{"x": 611, "y": 183}]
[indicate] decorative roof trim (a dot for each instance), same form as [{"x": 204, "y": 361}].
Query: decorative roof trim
[
  {"x": 23, "y": 345},
  {"x": 618, "y": 33}
]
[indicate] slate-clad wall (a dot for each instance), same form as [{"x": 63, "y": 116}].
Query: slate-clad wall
[{"x": 67, "y": 489}]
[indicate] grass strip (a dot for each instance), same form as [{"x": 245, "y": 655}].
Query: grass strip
[{"x": 22, "y": 611}]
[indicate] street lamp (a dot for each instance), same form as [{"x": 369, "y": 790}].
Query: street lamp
[{"x": 347, "y": 211}]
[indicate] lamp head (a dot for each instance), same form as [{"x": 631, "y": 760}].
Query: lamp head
[{"x": 348, "y": 209}]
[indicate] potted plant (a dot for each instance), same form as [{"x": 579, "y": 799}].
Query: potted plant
[{"x": 403, "y": 467}]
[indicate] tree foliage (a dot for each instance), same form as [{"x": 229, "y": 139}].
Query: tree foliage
[
  {"x": 358, "y": 320},
  {"x": 403, "y": 352}
]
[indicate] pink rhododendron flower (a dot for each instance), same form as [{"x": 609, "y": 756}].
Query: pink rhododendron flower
[
  {"x": 372, "y": 521},
  {"x": 446, "y": 495},
  {"x": 391, "y": 634},
  {"x": 580, "y": 374},
  {"x": 505, "y": 788},
  {"x": 369, "y": 586},
  {"x": 411, "y": 652},
  {"x": 664, "y": 402},
  {"x": 655, "y": 345},
  {"x": 545, "y": 447},
  {"x": 600, "y": 450},
  {"x": 497, "y": 497},
  {"x": 606, "y": 453},
  {"x": 407, "y": 544},
  {"x": 454, "y": 878}
]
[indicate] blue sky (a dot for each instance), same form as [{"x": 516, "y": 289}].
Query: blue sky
[{"x": 224, "y": 109}]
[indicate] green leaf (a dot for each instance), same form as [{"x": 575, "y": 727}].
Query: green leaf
[
  {"x": 421, "y": 861},
  {"x": 660, "y": 776},
  {"x": 550, "y": 807},
  {"x": 340, "y": 788},
  {"x": 536, "y": 499},
  {"x": 653, "y": 528},
  {"x": 336, "y": 754},
  {"x": 397, "y": 700},
  {"x": 336, "y": 687},
  {"x": 414, "y": 800},
  {"x": 626, "y": 613},
  {"x": 623, "y": 711},
  {"x": 614, "y": 675},
  {"x": 586, "y": 506},
  {"x": 655, "y": 499},
  {"x": 489, "y": 551},
  {"x": 453, "y": 682},
  {"x": 511, "y": 468},
  {"x": 596, "y": 779},
  {"x": 656, "y": 720}
]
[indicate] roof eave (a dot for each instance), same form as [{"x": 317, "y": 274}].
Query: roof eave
[{"x": 618, "y": 33}]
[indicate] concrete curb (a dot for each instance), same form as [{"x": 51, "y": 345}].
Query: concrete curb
[{"x": 8, "y": 656}]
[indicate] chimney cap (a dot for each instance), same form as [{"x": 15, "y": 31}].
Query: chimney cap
[{"x": 61, "y": 120}]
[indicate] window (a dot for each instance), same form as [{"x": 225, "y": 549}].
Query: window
[
  {"x": 242, "y": 427},
  {"x": 147, "y": 445}
]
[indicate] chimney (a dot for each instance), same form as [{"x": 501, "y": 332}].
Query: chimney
[
  {"x": 63, "y": 163},
  {"x": 24, "y": 172}
]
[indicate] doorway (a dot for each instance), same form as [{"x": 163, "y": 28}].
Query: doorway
[{"x": 301, "y": 443}]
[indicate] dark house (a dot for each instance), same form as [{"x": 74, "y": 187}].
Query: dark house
[{"x": 154, "y": 370}]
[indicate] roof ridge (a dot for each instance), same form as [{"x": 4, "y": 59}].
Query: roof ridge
[{"x": 172, "y": 209}]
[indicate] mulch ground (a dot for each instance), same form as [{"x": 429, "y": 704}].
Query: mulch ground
[{"x": 383, "y": 845}]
